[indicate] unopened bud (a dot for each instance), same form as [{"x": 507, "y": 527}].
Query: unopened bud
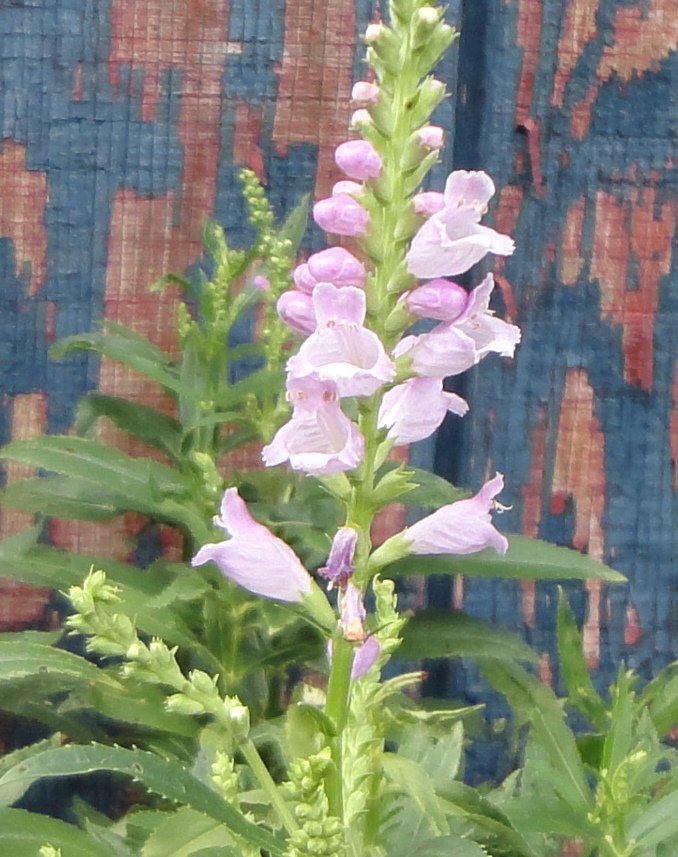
[
  {"x": 359, "y": 119},
  {"x": 365, "y": 93},
  {"x": 347, "y": 187},
  {"x": 431, "y": 137},
  {"x": 374, "y": 32}
]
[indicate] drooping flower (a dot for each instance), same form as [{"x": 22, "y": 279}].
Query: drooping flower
[
  {"x": 463, "y": 527},
  {"x": 341, "y": 215},
  {"x": 454, "y": 346},
  {"x": 319, "y": 438},
  {"x": 339, "y": 568},
  {"x": 365, "y": 657},
  {"x": 413, "y": 411},
  {"x": 253, "y": 557},
  {"x": 295, "y": 308},
  {"x": 341, "y": 349},
  {"x": 439, "y": 299},
  {"x": 453, "y": 240}
]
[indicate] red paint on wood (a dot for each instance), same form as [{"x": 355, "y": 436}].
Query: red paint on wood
[
  {"x": 246, "y": 136},
  {"x": 644, "y": 34},
  {"x": 641, "y": 230},
  {"x": 528, "y": 34},
  {"x": 76, "y": 93},
  {"x": 315, "y": 80},
  {"x": 578, "y": 472},
  {"x": 571, "y": 260},
  {"x": 23, "y": 196},
  {"x": 580, "y": 118},
  {"x": 579, "y": 28},
  {"x": 674, "y": 426},
  {"x": 155, "y": 35},
  {"x": 505, "y": 219},
  {"x": 531, "y": 515},
  {"x": 632, "y": 629}
]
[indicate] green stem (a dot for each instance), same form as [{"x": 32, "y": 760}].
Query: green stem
[
  {"x": 336, "y": 708},
  {"x": 267, "y": 783}
]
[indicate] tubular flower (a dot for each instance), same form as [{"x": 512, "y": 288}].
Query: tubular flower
[
  {"x": 428, "y": 202},
  {"x": 339, "y": 568},
  {"x": 358, "y": 159},
  {"x": 319, "y": 438},
  {"x": 452, "y": 240},
  {"x": 460, "y": 528},
  {"x": 454, "y": 346},
  {"x": 341, "y": 214},
  {"x": 440, "y": 299},
  {"x": 413, "y": 411},
  {"x": 253, "y": 557},
  {"x": 337, "y": 266},
  {"x": 341, "y": 349}
]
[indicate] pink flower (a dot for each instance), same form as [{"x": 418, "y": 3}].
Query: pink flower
[
  {"x": 460, "y": 528},
  {"x": 431, "y": 136},
  {"x": 341, "y": 214},
  {"x": 455, "y": 346},
  {"x": 260, "y": 282},
  {"x": 358, "y": 159},
  {"x": 303, "y": 279},
  {"x": 295, "y": 308},
  {"x": 365, "y": 93},
  {"x": 428, "y": 202},
  {"x": 452, "y": 240},
  {"x": 441, "y": 299},
  {"x": 346, "y": 187},
  {"x": 353, "y": 614},
  {"x": 253, "y": 557},
  {"x": 365, "y": 657},
  {"x": 319, "y": 438},
  {"x": 413, "y": 411},
  {"x": 339, "y": 568},
  {"x": 337, "y": 266},
  {"x": 341, "y": 349}
]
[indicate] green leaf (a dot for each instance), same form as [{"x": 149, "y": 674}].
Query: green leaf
[
  {"x": 124, "y": 346},
  {"x": 436, "y": 633},
  {"x": 183, "y": 833},
  {"x": 63, "y": 497},
  {"x": 56, "y": 668},
  {"x": 23, "y": 833},
  {"x": 656, "y": 824},
  {"x": 536, "y": 704},
  {"x": 448, "y": 846},
  {"x": 160, "y": 776},
  {"x": 149, "y": 425},
  {"x": 411, "y": 779},
  {"x": 294, "y": 225},
  {"x": 526, "y": 559},
  {"x": 9, "y": 760},
  {"x": 574, "y": 671},
  {"x": 660, "y": 697}
]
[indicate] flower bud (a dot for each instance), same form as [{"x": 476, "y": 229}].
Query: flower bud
[
  {"x": 360, "y": 119},
  {"x": 433, "y": 45},
  {"x": 303, "y": 279},
  {"x": 425, "y": 23},
  {"x": 373, "y": 33},
  {"x": 431, "y": 137},
  {"x": 365, "y": 93},
  {"x": 347, "y": 187},
  {"x": 336, "y": 265},
  {"x": 239, "y": 718},
  {"x": 358, "y": 159},
  {"x": 440, "y": 299},
  {"x": 180, "y": 704},
  {"x": 428, "y": 202},
  {"x": 261, "y": 283},
  {"x": 341, "y": 215},
  {"x": 429, "y": 95},
  {"x": 295, "y": 308},
  {"x": 384, "y": 46}
]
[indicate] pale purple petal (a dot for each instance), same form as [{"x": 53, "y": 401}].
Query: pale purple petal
[
  {"x": 428, "y": 202},
  {"x": 347, "y": 187},
  {"x": 358, "y": 159},
  {"x": 295, "y": 308},
  {"x": 463, "y": 527},
  {"x": 337, "y": 266},
  {"x": 431, "y": 136},
  {"x": 489, "y": 333},
  {"x": 352, "y": 614},
  {"x": 341, "y": 215},
  {"x": 446, "y": 350},
  {"x": 413, "y": 411},
  {"x": 254, "y": 558},
  {"x": 365, "y": 657},
  {"x": 364, "y": 92},
  {"x": 439, "y": 299},
  {"x": 303, "y": 279},
  {"x": 474, "y": 189},
  {"x": 339, "y": 305},
  {"x": 339, "y": 566}
]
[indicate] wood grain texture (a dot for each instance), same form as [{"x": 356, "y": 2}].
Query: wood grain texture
[{"x": 122, "y": 125}]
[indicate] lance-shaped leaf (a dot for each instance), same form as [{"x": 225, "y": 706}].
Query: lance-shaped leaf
[
  {"x": 162, "y": 777},
  {"x": 23, "y": 833}
]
